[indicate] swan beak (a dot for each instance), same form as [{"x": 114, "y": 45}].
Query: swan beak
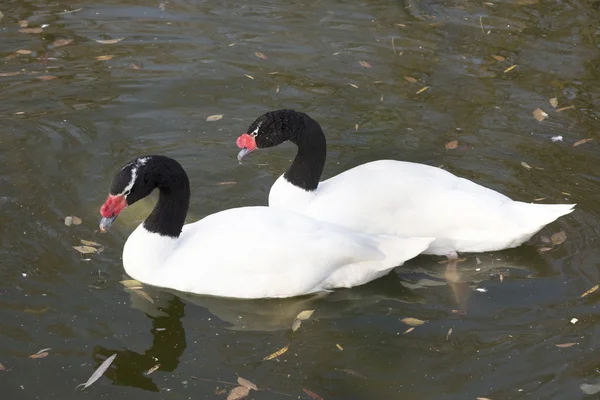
[
  {"x": 106, "y": 222},
  {"x": 243, "y": 153}
]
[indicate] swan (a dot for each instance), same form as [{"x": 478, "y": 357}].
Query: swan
[
  {"x": 247, "y": 252},
  {"x": 394, "y": 197}
]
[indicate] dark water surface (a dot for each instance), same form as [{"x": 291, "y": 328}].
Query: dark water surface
[{"x": 63, "y": 139}]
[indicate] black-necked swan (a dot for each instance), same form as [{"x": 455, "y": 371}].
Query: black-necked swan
[
  {"x": 394, "y": 197},
  {"x": 248, "y": 252}
]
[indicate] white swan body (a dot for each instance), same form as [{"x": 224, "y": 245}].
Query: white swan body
[
  {"x": 260, "y": 252},
  {"x": 410, "y": 199}
]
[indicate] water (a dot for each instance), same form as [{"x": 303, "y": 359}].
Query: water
[{"x": 181, "y": 61}]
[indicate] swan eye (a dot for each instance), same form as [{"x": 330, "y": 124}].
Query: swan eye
[{"x": 255, "y": 132}]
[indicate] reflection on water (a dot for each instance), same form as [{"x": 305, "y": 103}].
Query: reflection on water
[{"x": 181, "y": 61}]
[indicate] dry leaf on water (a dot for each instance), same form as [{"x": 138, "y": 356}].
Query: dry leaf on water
[
  {"x": 277, "y": 353},
  {"x": 246, "y": 383},
  {"x": 353, "y": 85},
  {"x": 261, "y": 55},
  {"x": 98, "y": 373},
  {"x": 365, "y": 64},
  {"x": 482, "y": 398},
  {"x": 105, "y": 58},
  {"x": 10, "y": 73},
  {"x": 215, "y": 117},
  {"x": 412, "y": 321},
  {"x": 558, "y": 238},
  {"x": 90, "y": 243},
  {"x": 340, "y": 348},
  {"x": 525, "y": 165},
  {"x": 142, "y": 294},
  {"x": 226, "y": 183},
  {"x": 564, "y": 108},
  {"x": 249, "y": 76},
  {"x": 62, "y": 42},
  {"x": 76, "y": 220},
  {"x": 43, "y": 353},
  {"x": 410, "y": 79},
  {"x": 304, "y": 315},
  {"x": 312, "y": 395},
  {"x": 86, "y": 249},
  {"x": 510, "y": 68},
  {"x": 31, "y": 30},
  {"x": 238, "y": 393},
  {"x": 46, "y": 77},
  {"x": 296, "y": 325},
  {"x": 498, "y": 58},
  {"x": 23, "y": 23},
  {"x": 451, "y": 145},
  {"x": 592, "y": 290},
  {"x": 565, "y": 345},
  {"x": 422, "y": 89},
  {"x": 109, "y": 41},
  {"x": 23, "y": 52},
  {"x": 582, "y": 141},
  {"x": 539, "y": 114},
  {"x": 409, "y": 330},
  {"x": 449, "y": 333},
  {"x": 131, "y": 283},
  {"x": 554, "y": 102},
  {"x": 133, "y": 66},
  {"x": 544, "y": 249},
  {"x": 151, "y": 370}
]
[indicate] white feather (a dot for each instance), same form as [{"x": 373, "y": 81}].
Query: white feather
[{"x": 410, "y": 199}]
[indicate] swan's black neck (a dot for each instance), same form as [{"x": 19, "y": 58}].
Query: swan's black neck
[
  {"x": 173, "y": 184},
  {"x": 305, "y": 172}
]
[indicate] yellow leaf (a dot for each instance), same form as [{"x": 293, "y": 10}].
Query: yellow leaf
[
  {"x": 592, "y": 290},
  {"x": 412, "y": 321},
  {"x": 510, "y": 68},
  {"x": 422, "y": 89},
  {"x": 143, "y": 294},
  {"x": 109, "y": 41},
  {"x": 105, "y": 58},
  {"x": 261, "y": 55},
  {"x": 130, "y": 283},
  {"x": 565, "y": 345},
  {"x": 365, "y": 64},
  {"x": 277, "y": 353},
  {"x": 85, "y": 249},
  {"x": 304, "y": 315},
  {"x": 539, "y": 114},
  {"x": 339, "y": 347},
  {"x": 554, "y": 102},
  {"x": 215, "y": 117},
  {"x": 564, "y": 108},
  {"x": 582, "y": 141},
  {"x": 151, "y": 370},
  {"x": 238, "y": 393},
  {"x": 451, "y": 145}
]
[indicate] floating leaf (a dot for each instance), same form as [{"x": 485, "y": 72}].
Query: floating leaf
[
  {"x": 68, "y": 220},
  {"x": 451, "y": 145},
  {"x": 46, "y": 77},
  {"x": 261, "y": 55},
  {"x": 498, "y": 58},
  {"x": 296, "y": 325},
  {"x": 590, "y": 389},
  {"x": 304, "y": 315},
  {"x": 226, "y": 183},
  {"x": 312, "y": 395},
  {"x": 43, "y": 353},
  {"x": 558, "y": 238},
  {"x": 482, "y": 398},
  {"x": 105, "y": 58},
  {"x": 564, "y": 108},
  {"x": 238, "y": 392},
  {"x": 133, "y": 66},
  {"x": 277, "y": 353},
  {"x": 574, "y": 321},
  {"x": 246, "y": 383},
  {"x": 353, "y": 85},
  {"x": 98, "y": 373},
  {"x": 23, "y": 23},
  {"x": 62, "y": 42},
  {"x": 525, "y": 165},
  {"x": 510, "y": 68},
  {"x": 109, "y": 41},
  {"x": 90, "y": 243},
  {"x": 449, "y": 333},
  {"x": 339, "y": 347},
  {"x": 23, "y": 52},
  {"x": 76, "y": 220},
  {"x": 422, "y": 89},
  {"x": 277, "y": 90},
  {"x": 565, "y": 345},
  {"x": 410, "y": 79},
  {"x": 544, "y": 249},
  {"x": 215, "y": 117},
  {"x": 31, "y": 30},
  {"x": 592, "y": 290},
  {"x": 501, "y": 277},
  {"x": 539, "y": 114},
  {"x": 85, "y": 249},
  {"x": 131, "y": 283},
  {"x": 356, "y": 127},
  {"x": 582, "y": 141},
  {"x": 249, "y": 76},
  {"x": 409, "y": 330},
  {"x": 10, "y": 73},
  {"x": 151, "y": 370},
  {"x": 412, "y": 321},
  {"x": 365, "y": 64},
  {"x": 554, "y": 102},
  {"x": 142, "y": 294}
]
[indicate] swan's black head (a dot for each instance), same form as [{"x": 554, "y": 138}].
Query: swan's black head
[
  {"x": 274, "y": 128},
  {"x": 133, "y": 182}
]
